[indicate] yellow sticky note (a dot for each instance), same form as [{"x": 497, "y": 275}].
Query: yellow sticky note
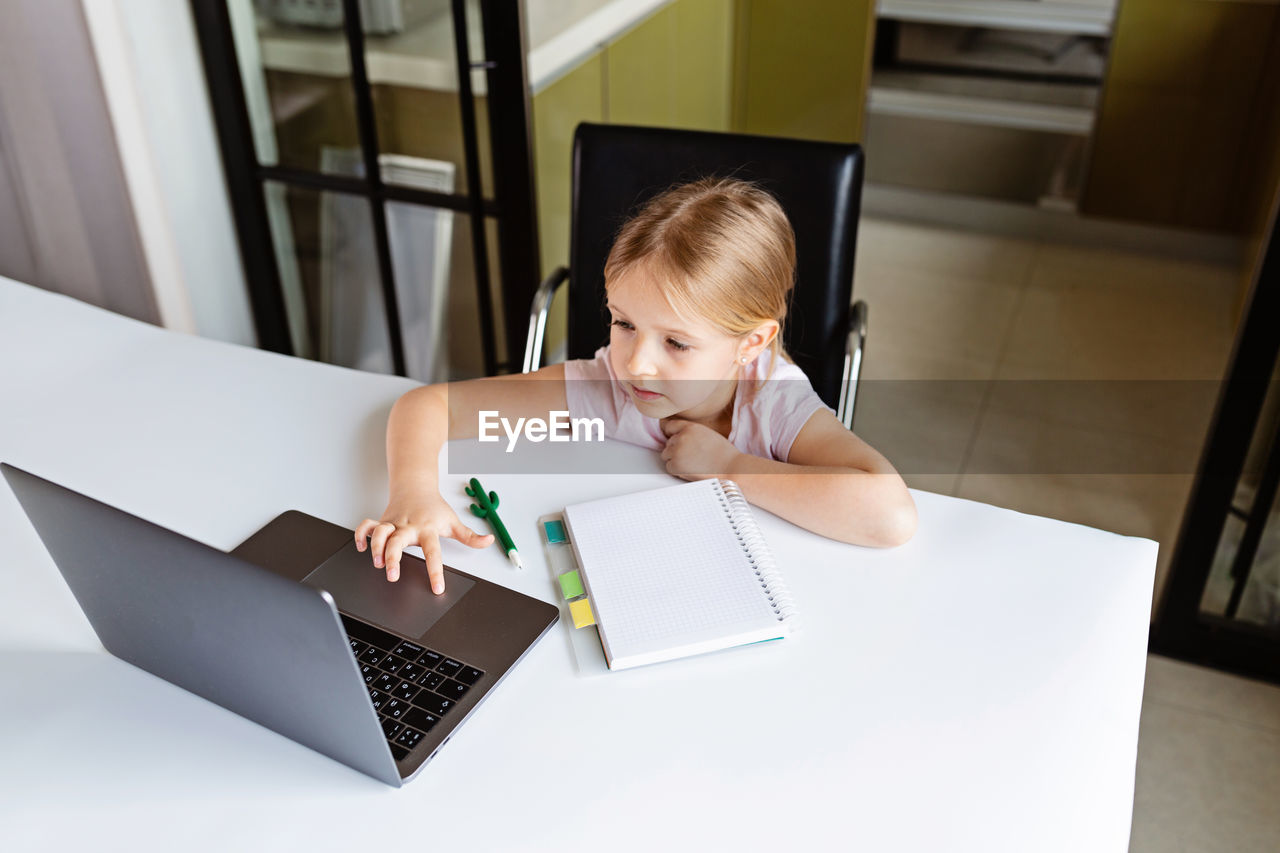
[{"x": 581, "y": 612}]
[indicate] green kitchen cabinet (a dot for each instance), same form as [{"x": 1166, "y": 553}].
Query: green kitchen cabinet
[
  {"x": 1186, "y": 128},
  {"x": 673, "y": 69},
  {"x": 802, "y": 69}
]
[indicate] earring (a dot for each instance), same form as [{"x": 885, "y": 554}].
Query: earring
[{"x": 742, "y": 359}]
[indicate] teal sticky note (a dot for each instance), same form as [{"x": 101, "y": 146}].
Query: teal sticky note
[
  {"x": 571, "y": 585},
  {"x": 555, "y": 532}
]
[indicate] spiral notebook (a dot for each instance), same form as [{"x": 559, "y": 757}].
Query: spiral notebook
[{"x": 677, "y": 571}]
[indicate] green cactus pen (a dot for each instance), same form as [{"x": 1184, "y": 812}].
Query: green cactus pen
[{"x": 486, "y": 507}]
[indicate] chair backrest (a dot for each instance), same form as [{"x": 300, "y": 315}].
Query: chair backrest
[{"x": 616, "y": 169}]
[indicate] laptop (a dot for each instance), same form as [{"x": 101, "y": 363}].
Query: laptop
[{"x": 295, "y": 629}]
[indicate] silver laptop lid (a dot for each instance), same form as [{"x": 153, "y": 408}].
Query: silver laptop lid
[{"x": 260, "y": 645}]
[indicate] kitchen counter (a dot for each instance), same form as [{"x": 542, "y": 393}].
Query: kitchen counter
[{"x": 561, "y": 33}]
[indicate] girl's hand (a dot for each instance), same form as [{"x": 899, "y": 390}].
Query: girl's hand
[
  {"x": 417, "y": 522},
  {"x": 694, "y": 451}
]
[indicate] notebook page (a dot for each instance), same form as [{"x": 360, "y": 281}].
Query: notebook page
[{"x": 664, "y": 568}]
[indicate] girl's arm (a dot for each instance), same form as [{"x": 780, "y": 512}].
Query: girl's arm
[
  {"x": 420, "y": 423},
  {"x": 833, "y": 483}
]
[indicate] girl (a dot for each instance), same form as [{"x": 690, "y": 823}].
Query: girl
[{"x": 697, "y": 286}]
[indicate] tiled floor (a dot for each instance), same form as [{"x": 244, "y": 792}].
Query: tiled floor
[
  {"x": 1069, "y": 382},
  {"x": 975, "y": 335}
]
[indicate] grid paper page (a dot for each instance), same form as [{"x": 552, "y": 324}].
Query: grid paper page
[{"x": 665, "y": 569}]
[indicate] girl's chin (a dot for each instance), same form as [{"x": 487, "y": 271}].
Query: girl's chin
[
  {"x": 659, "y": 408},
  {"x": 662, "y": 404}
]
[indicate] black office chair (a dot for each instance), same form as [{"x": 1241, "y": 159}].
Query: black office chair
[{"x": 616, "y": 169}]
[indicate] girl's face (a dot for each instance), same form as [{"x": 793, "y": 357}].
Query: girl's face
[{"x": 670, "y": 363}]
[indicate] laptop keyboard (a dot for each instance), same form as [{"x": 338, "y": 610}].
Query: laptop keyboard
[{"x": 411, "y": 686}]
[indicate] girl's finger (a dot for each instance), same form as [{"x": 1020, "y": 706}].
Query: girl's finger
[
  {"x": 671, "y": 426},
  {"x": 469, "y": 537},
  {"x": 378, "y": 541},
  {"x": 362, "y": 533},
  {"x": 435, "y": 565},
  {"x": 396, "y": 544}
]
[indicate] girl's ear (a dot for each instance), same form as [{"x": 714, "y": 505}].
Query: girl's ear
[{"x": 755, "y": 341}]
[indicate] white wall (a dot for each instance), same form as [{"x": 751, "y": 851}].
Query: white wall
[{"x": 151, "y": 70}]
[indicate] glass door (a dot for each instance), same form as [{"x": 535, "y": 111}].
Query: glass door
[
  {"x": 1244, "y": 577},
  {"x": 378, "y": 160}
]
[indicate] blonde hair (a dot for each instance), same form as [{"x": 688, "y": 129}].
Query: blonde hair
[{"x": 718, "y": 248}]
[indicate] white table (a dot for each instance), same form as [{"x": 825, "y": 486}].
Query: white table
[{"x": 976, "y": 689}]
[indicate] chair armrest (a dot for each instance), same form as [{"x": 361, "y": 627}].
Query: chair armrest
[
  {"x": 538, "y": 317},
  {"x": 855, "y": 342}
]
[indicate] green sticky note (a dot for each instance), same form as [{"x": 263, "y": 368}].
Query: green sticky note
[
  {"x": 555, "y": 532},
  {"x": 571, "y": 585}
]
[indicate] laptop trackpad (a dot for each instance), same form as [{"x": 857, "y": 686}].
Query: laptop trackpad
[{"x": 408, "y": 606}]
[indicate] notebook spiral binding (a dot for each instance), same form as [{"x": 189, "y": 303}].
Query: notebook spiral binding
[{"x": 756, "y": 549}]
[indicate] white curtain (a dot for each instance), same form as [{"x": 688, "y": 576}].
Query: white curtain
[{"x": 66, "y": 221}]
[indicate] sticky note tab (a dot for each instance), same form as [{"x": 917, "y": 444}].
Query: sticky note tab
[
  {"x": 560, "y": 559},
  {"x": 571, "y": 585},
  {"x": 581, "y": 612},
  {"x": 555, "y": 532}
]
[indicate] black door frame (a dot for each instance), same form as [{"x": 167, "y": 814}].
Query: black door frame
[
  {"x": 512, "y": 206},
  {"x": 1181, "y": 629}
]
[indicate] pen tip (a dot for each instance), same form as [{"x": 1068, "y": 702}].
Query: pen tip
[{"x": 514, "y": 557}]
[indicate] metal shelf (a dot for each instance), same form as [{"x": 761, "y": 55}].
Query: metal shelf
[
  {"x": 1083, "y": 17},
  {"x": 983, "y": 111}
]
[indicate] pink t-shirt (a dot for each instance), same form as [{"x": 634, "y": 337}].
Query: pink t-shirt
[{"x": 768, "y": 414}]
